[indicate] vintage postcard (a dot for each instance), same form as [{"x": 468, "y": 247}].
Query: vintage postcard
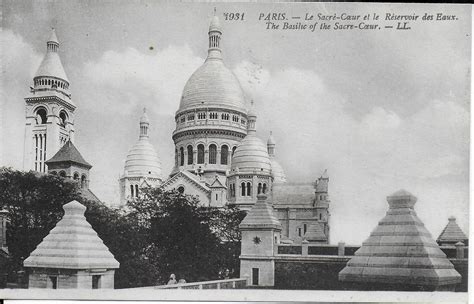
[{"x": 234, "y": 151}]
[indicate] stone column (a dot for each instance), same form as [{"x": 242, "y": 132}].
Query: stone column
[{"x": 341, "y": 249}]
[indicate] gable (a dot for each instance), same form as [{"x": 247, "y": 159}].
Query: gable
[{"x": 190, "y": 188}]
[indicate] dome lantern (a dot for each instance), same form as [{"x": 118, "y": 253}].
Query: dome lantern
[
  {"x": 252, "y": 121},
  {"x": 215, "y": 33},
  {"x": 271, "y": 145},
  {"x": 144, "y": 124}
]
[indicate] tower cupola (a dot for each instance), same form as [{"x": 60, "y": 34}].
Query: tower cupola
[
  {"x": 49, "y": 110},
  {"x": 215, "y": 32},
  {"x": 50, "y": 75},
  {"x": 271, "y": 145},
  {"x": 144, "y": 124},
  {"x": 278, "y": 173}
]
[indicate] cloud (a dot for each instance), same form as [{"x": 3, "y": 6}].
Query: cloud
[
  {"x": 119, "y": 85},
  {"x": 123, "y": 80},
  {"x": 368, "y": 157},
  {"x": 19, "y": 63}
]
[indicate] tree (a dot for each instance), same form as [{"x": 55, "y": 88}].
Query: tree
[
  {"x": 34, "y": 203},
  {"x": 185, "y": 238},
  {"x": 162, "y": 232},
  {"x": 127, "y": 241}
]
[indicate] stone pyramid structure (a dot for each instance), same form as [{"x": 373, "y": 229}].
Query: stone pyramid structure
[
  {"x": 72, "y": 244},
  {"x": 452, "y": 234},
  {"x": 261, "y": 215},
  {"x": 400, "y": 253},
  {"x": 315, "y": 233}
]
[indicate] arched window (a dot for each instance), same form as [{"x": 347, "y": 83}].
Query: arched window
[
  {"x": 304, "y": 228},
  {"x": 200, "y": 158},
  {"x": 233, "y": 150},
  {"x": 136, "y": 190},
  {"x": 249, "y": 189},
  {"x": 62, "y": 173},
  {"x": 264, "y": 188},
  {"x": 62, "y": 119},
  {"x": 259, "y": 188},
  {"x": 181, "y": 156},
  {"x": 181, "y": 189},
  {"x": 243, "y": 188},
  {"x": 190, "y": 155},
  {"x": 83, "y": 181},
  {"x": 320, "y": 216},
  {"x": 212, "y": 154},
  {"x": 41, "y": 117},
  {"x": 131, "y": 191},
  {"x": 224, "y": 154},
  {"x": 76, "y": 176}
]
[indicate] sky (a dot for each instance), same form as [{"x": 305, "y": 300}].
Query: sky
[{"x": 381, "y": 110}]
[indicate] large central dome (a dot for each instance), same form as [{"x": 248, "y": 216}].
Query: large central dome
[
  {"x": 213, "y": 84},
  {"x": 212, "y": 115}
]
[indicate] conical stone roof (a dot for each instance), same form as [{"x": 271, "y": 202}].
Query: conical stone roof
[
  {"x": 315, "y": 233},
  {"x": 260, "y": 216},
  {"x": 51, "y": 65},
  {"x": 72, "y": 244},
  {"x": 452, "y": 234},
  {"x": 400, "y": 250}
]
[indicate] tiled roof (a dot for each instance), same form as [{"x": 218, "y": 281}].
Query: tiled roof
[
  {"x": 315, "y": 233},
  {"x": 400, "y": 250},
  {"x": 293, "y": 194},
  {"x": 261, "y": 216},
  {"x": 89, "y": 195},
  {"x": 452, "y": 233},
  {"x": 68, "y": 153},
  {"x": 72, "y": 244}
]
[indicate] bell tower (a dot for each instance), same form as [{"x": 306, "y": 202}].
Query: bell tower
[{"x": 49, "y": 111}]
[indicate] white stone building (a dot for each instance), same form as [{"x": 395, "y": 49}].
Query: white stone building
[{"x": 220, "y": 159}]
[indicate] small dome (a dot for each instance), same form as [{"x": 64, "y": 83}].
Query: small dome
[
  {"x": 215, "y": 24},
  {"x": 278, "y": 173},
  {"x": 213, "y": 84},
  {"x": 53, "y": 37},
  {"x": 143, "y": 160},
  {"x": 251, "y": 156}
]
